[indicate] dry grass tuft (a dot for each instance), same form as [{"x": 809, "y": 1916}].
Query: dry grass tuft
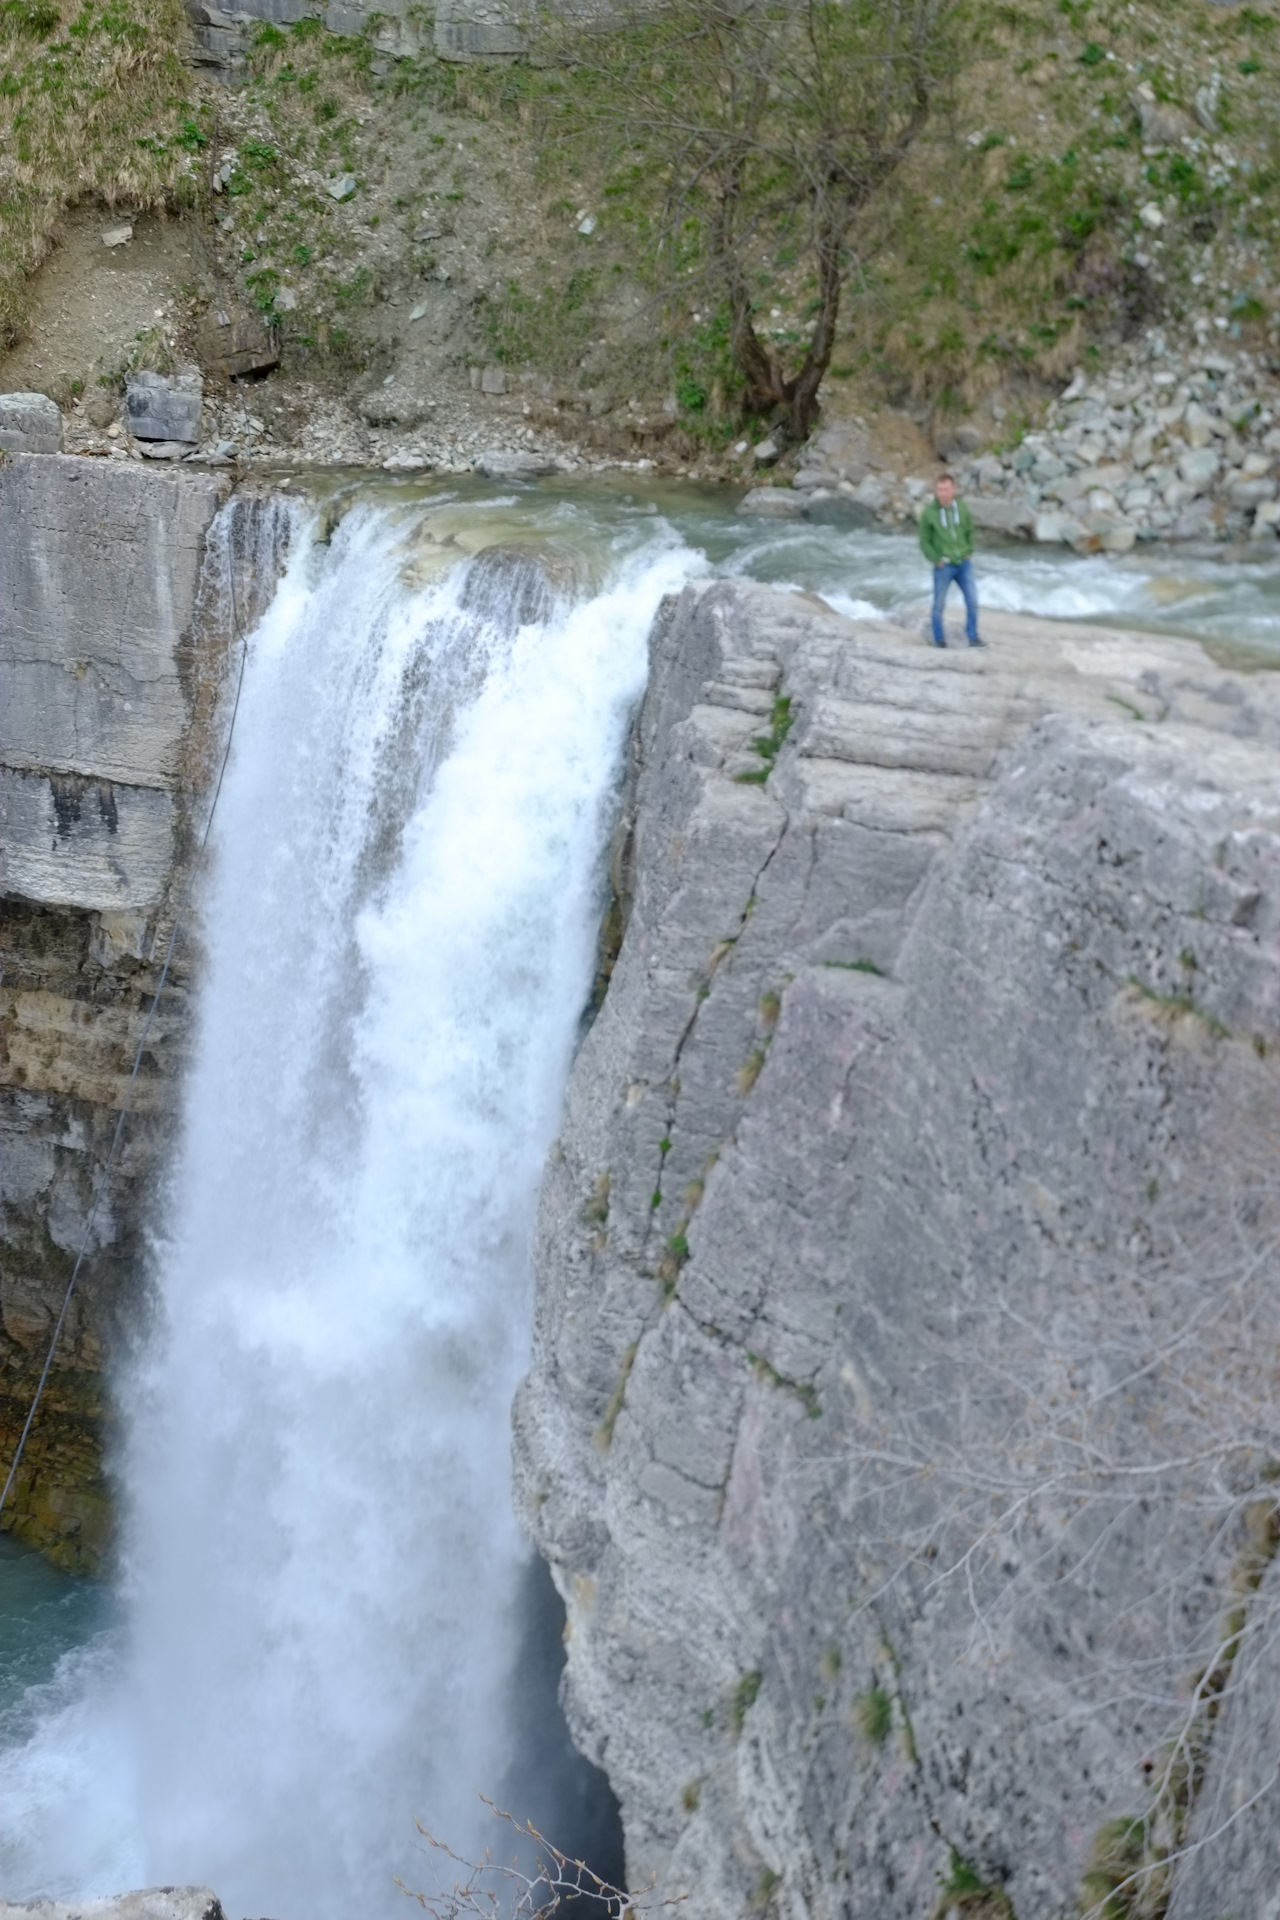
[{"x": 94, "y": 102}]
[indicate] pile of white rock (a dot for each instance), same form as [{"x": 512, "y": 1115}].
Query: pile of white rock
[
  {"x": 1173, "y": 450},
  {"x": 1166, "y": 446}
]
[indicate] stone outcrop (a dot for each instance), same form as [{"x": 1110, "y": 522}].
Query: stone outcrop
[
  {"x": 29, "y": 423},
  {"x": 151, "y": 1903},
  {"x": 115, "y": 630},
  {"x": 949, "y": 986}
]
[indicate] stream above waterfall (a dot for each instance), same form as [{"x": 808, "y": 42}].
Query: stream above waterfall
[{"x": 315, "y": 1631}]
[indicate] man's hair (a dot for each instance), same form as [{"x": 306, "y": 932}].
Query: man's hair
[{"x": 948, "y": 477}]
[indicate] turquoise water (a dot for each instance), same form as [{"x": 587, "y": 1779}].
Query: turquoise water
[{"x": 45, "y": 1618}]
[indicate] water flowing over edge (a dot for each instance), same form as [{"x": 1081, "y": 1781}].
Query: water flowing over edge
[{"x": 321, "y": 1567}]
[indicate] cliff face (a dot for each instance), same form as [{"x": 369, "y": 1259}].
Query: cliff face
[
  {"x": 115, "y": 628},
  {"x": 899, "y": 1238}
]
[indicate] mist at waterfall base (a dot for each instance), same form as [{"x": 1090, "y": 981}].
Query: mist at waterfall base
[{"x": 328, "y": 1598}]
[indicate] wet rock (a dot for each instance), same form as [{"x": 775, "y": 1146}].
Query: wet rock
[
  {"x": 1198, "y": 521},
  {"x": 773, "y": 503},
  {"x": 500, "y": 463},
  {"x": 1054, "y": 528},
  {"x": 1105, "y": 533},
  {"x": 160, "y": 406},
  {"x": 1013, "y": 518},
  {"x": 29, "y": 423}
]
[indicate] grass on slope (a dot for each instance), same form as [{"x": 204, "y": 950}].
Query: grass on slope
[
  {"x": 1011, "y": 246},
  {"x": 93, "y": 102}
]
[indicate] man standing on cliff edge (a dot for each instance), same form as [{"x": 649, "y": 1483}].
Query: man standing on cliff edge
[{"x": 946, "y": 541}]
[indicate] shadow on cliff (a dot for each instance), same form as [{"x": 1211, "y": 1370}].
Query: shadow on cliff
[{"x": 549, "y": 1783}]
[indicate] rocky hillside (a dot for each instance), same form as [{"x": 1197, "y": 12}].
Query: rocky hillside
[
  {"x": 900, "y": 1431},
  {"x": 408, "y": 222}
]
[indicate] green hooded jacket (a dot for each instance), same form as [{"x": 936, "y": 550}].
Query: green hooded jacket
[{"x": 946, "y": 536}]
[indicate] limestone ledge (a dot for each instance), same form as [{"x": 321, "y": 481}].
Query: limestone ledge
[{"x": 949, "y": 983}]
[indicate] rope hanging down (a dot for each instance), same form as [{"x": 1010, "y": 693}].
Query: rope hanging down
[{"x": 105, "y": 1174}]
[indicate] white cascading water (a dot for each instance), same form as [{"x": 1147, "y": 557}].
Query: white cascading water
[{"x": 322, "y": 1561}]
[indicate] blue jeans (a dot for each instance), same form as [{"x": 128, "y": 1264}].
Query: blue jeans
[{"x": 962, "y": 575}]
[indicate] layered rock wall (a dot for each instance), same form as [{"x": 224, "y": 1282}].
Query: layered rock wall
[
  {"x": 931, "y": 1103},
  {"x": 116, "y": 628}
]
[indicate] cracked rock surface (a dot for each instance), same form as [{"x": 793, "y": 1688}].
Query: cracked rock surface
[{"x": 948, "y": 982}]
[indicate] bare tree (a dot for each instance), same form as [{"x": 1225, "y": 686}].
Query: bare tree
[
  {"x": 525, "y": 1888},
  {"x": 766, "y": 125}
]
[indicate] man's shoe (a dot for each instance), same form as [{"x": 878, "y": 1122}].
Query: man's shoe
[
  {"x": 977, "y": 643},
  {"x": 939, "y": 643}
]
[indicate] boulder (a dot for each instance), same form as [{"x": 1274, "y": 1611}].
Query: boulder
[
  {"x": 1163, "y": 125},
  {"x": 29, "y": 423},
  {"x": 1199, "y": 467},
  {"x": 493, "y": 380},
  {"x": 1113, "y": 475},
  {"x": 230, "y": 343},
  {"x": 1265, "y": 521},
  {"x": 1197, "y": 425},
  {"x": 1056, "y": 528},
  {"x": 773, "y": 503},
  {"x": 1251, "y": 493},
  {"x": 872, "y": 493},
  {"x": 160, "y": 406},
  {"x": 809, "y": 477},
  {"x": 766, "y": 452},
  {"x": 501, "y": 463},
  {"x": 1197, "y": 521},
  {"x": 1105, "y": 533},
  {"x": 1013, "y": 518}
]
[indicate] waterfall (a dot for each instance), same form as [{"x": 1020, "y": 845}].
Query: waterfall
[{"x": 321, "y": 1568}]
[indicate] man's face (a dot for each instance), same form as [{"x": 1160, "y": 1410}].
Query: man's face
[{"x": 946, "y": 492}]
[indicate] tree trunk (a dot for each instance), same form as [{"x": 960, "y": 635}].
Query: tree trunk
[{"x": 802, "y": 391}]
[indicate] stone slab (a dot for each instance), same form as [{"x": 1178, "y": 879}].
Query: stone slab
[
  {"x": 98, "y": 574},
  {"x": 29, "y": 423}
]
